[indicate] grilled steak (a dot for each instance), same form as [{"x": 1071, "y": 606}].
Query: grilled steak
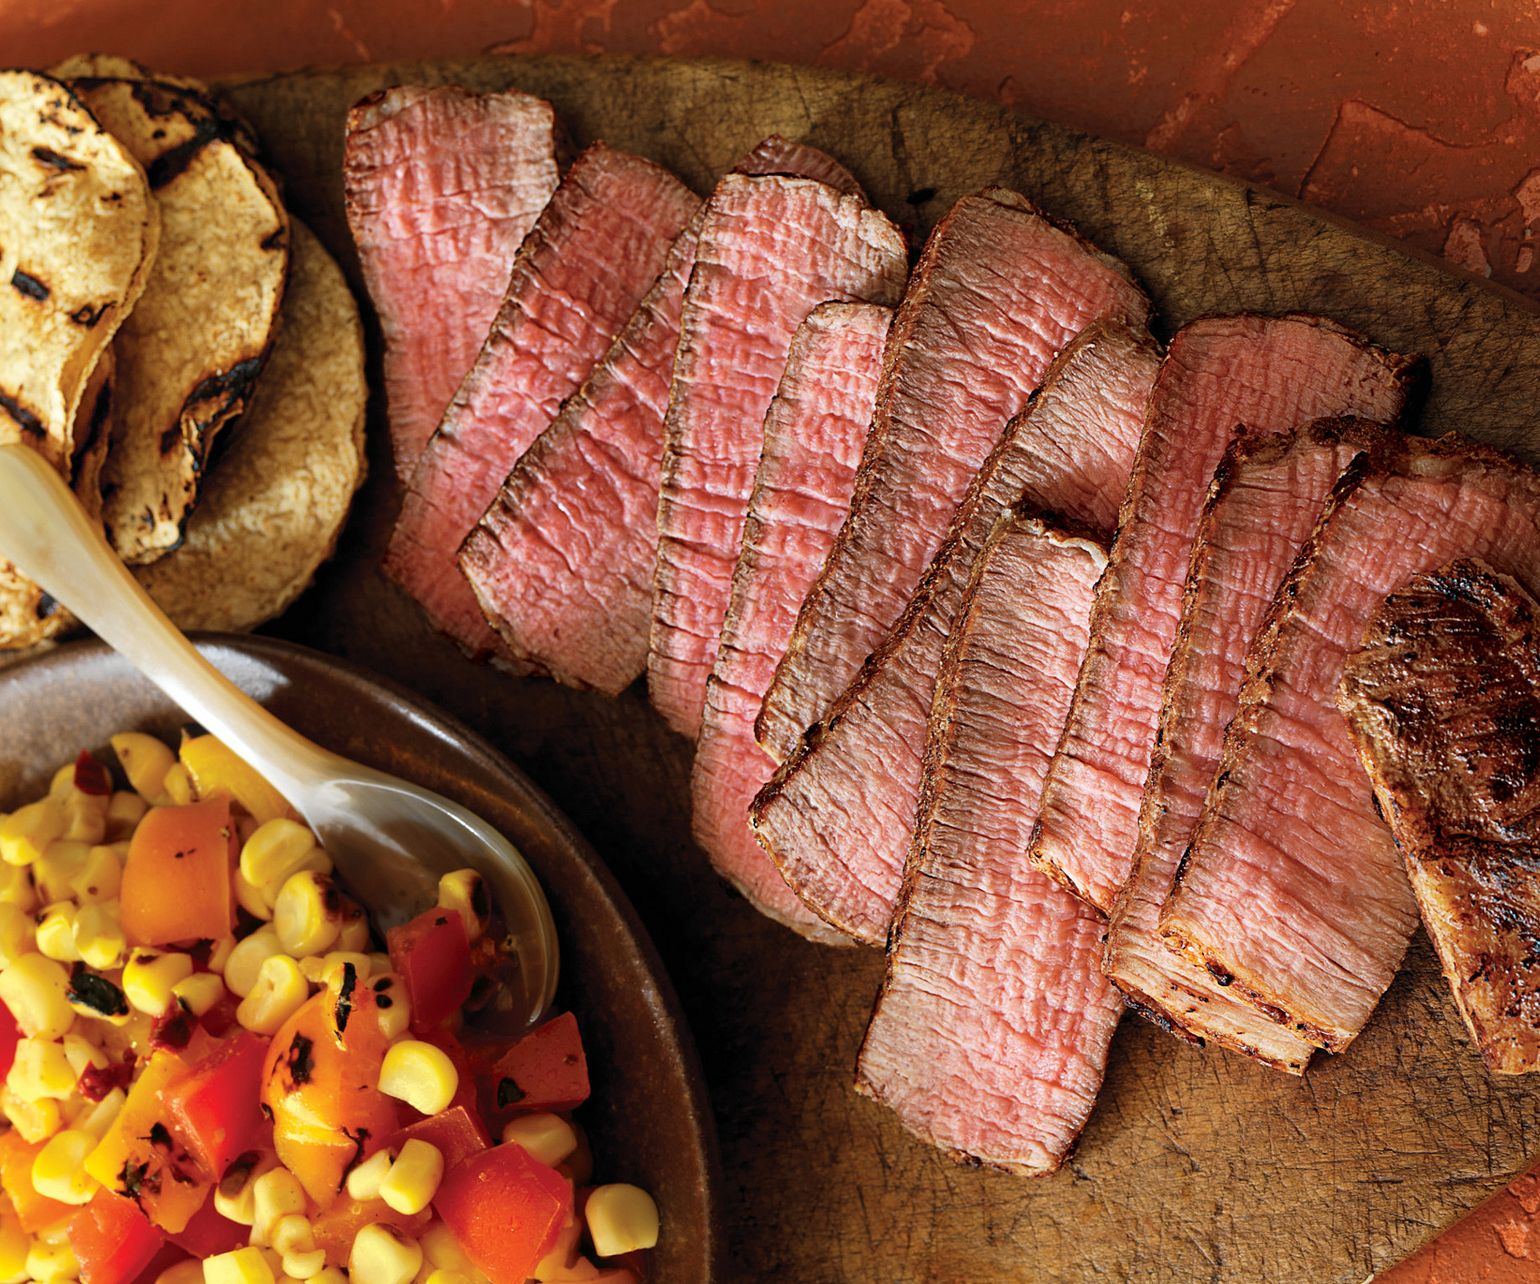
[
  {"x": 441, "y": 186},
  {"x": 1270, "y": 375},
  {"x": 813, "y": 437},
  {"x": 997, "y": 294},
  {"x": 771, "y": 250},
  {"x": 579, "y": 275},
  {"x": 1262, "y": 505},
  {"x": 838, "y": 816},
  {"x": 991, "y": 1031},
  {"x": 562, "y": 562},
  {"x": 1291, "y": 888},
  {"x": 1443, "y": 704}
]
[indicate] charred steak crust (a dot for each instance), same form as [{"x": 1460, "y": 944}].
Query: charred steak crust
[
  {"x": 1449, "y": 456},
  {"x": 1443, "y": 704}
]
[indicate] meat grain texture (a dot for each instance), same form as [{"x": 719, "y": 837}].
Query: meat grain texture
[
  {"x": 1443, "y": 704},
  {"x": 990, "y": 1034},
  {"x": 1270, "y": 374},
  {"x": 838, "y": 816},
  {"x": 771, "y": 249},
  {"x": 440, "y": 186},
  {"x": 592, "y": 256},
  {"x": 1264, "y": 501},
  {"x": 997, "y": 294},
  {"x": 1292, "y": 889},
  {"x": 813, "y": 436},
  {"x": 562, "y": 562}
]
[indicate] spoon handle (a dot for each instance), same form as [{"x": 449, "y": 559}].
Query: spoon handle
[{"x": 46, "y": 533}]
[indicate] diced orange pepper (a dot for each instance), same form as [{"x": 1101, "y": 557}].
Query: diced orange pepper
[
  {"x": 178, "y": 881},
  {"x": 218, "y": 772},
  {"x": 33, "y": 1211}
]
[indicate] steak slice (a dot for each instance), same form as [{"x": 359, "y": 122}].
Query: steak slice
[
  {"x": 1264, "y": 501},
  {"x": 838, "y": 816},
  {"x": 562, "y": 561},
  {"x": 1291, "y": 888},
  {"x": 771, "y": 249},
  {"x": 1443, "y": 704},
  {"x": 813, "y": 436},
  {"x": 579, "y": 275},
  {"x": 440, "y": 186},
  {"x": 1269, "y": 374},
  {"x": 991, "y": 1030},
  {"x": 995, "y": 297}
]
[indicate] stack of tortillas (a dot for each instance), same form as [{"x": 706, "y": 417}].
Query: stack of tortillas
[{"x": 172, "y": 342}]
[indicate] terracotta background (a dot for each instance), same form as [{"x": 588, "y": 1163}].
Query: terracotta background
[{"x": 1418, "y": 118}]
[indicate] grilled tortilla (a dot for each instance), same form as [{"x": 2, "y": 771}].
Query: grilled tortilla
[
  {"x": 78, "y": 234},
  {"x": 101, "y": 66},
  {"x": 190, "y": 354},
  {"x": 271, "y": 512}
]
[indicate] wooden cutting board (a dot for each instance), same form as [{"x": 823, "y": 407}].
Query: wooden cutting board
[{"x": 1196, "y": 1166}]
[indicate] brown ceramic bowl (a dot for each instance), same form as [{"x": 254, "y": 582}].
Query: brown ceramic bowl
[{"x": 649, "y": 1119}]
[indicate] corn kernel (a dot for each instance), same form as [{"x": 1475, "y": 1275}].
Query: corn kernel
[
  {"x": 419, "y": 1074},
  {"x": 26, "y": 833},
  {"x": 464, "y": 891},
  {"x": 47, "y": 1263},
  {"x": 365, "y": 1179},
  {"x": 548, "y": 1138},
  {"x": 59, "y": 1173},
  {"x": 441, "y": 1248},
  {"x": 41, "y": 1069},
  {"x": 621, "y": 1219},
  {"x": 149, "y": 975},
  {"x": 275, "y": 1194},
  {"x": 305, "y": 913},
  {"x": 329, "y": 1275},
  {"x": 561, "y": 1259},
  {"x": 125, "y": 810},
  {"x": 250, "y": 899},
  {"x": 243, "y": 1266},
  {"x": 53, "y": 871},
  {"x": 16, "y": 887},
  {"x": 100, "y": 877},
  {"x": 98, "y": 935},
  {"x": 246, "y": 960},
  {"x": 33, "y": 987},
  {"x": 320, "y": 969},
  {"x": 35, "y": 1121},
  {"x": 18, "y": 931},
  {"x": 199, "y": 992},
  {"x": 81, "y": 1052},
  {"x": 145, "y": 761},
  {"x": 306, "y": 1265},
  {"x": 274, "y": 851},
  {"x": 235, "y": 1194},
  {"x": 99, "y": 1116},
  {"x": 382, "y": 1256},
  {"x": 56, "y": 933},
  {"x": 178, "y": 785},
  {"x": 219, "y": 953},
  {"x": 413, "y": 1179},
  {"x": 188, "y": 1272},
  {"x": 292, "y": 1233},
  {"x": 85, "y": 816},
  {"x": 441, "y": 1276},
  {"x": 14, "y": 1243},
  {"x": 279, "y": 993},
  {"x": 353, "y": 935},
  {"x": 397, "y": 1016}
]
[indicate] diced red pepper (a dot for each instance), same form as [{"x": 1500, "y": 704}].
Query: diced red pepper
[
  {"x": 505, "y": 1209},
  {"x": 91, "y": 777},
  {"x": 216, "y": 1109},
  {"x": 210, "y": 1232},
  {"x": 10, "y": 1035},
  {"x": 113, "y": 1240},
  {"x": 457, "y": 1132},
  {"x": 433, "y": 957},
  {"x": 545, "y": 1070}
]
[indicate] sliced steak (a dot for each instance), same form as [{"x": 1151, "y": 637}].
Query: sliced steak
[
  {"x": 1291, "y": 888},
  {"x": 562, "y": 561},
  {"x": 997, "y": 294},
  {"x": 1443, "y": 704},
  {"x": 440, "y": 186},
  {"x": 838, "y": 816},
  {"x": 771, "y": 249},
  {"x": 1264, "y": 501},
  {"x": 579, "y": 275},
  {"x": 990, "y": 1033},
  {"x": 1269, "y": 374},
  {"x": 813, "y": 436}
]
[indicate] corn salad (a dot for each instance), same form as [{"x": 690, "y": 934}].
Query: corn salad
[{"x": 214, "y": 1070}]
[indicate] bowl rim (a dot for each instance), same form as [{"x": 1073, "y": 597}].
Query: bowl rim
[{"x": 282, "y": 655}]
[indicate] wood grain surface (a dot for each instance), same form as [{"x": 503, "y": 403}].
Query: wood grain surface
[{"x": 1197, "y": 1166}]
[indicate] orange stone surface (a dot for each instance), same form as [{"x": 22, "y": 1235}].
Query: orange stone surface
[{"x": 1419, "y": 120}]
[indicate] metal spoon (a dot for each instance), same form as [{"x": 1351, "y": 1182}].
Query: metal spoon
[{"x": 389, "y": 839}]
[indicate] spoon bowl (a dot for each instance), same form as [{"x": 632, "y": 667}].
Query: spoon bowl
[{"x": 389, "y": 839}]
